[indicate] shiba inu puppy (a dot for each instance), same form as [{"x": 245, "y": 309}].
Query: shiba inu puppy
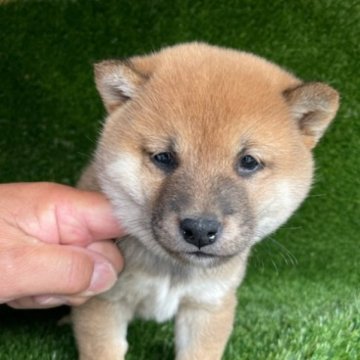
[{"x": 204, "y": 152}]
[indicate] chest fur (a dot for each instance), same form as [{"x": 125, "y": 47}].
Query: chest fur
[
  {"x": 159, "y": 297},
  {"x": 151, "y": 289}
]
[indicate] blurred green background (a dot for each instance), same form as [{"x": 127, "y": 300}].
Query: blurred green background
[{"x": 301, "y": 297}]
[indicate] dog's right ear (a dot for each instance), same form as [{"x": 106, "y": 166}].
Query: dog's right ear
[{"x": 118, "y": 81}]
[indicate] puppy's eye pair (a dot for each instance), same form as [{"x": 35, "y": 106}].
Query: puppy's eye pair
[
  {"x": 248, "y": 165},
  {"x": 165, "y": 161}
]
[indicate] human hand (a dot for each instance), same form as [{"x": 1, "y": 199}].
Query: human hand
[{"x": 54, "y": 245}]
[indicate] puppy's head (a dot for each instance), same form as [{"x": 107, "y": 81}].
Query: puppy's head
[{"x": 206, "y": 150}]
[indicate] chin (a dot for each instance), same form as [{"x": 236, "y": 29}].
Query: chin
[{"x": 200, "y": 259}]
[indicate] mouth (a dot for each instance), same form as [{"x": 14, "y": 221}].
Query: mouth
[{"x": 197, "y": 257}]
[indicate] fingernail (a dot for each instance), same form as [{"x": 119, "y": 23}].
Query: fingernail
[
  {"x": 103, "y": 278},
  {"x": 50, "y": 300}
]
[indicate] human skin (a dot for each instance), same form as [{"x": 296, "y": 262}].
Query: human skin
[{"x": 55, "y": 245}]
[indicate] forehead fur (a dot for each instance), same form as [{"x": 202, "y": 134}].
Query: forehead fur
[
  {"x": 204, "y": 92},
  {"x": 215, "y": 76}
]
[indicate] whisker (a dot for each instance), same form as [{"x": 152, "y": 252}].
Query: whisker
[{"x": 285, "y": 252}]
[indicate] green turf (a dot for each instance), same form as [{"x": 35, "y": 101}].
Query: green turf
[{"x": 301, "y": 297}]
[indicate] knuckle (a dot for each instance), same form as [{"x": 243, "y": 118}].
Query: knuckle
[{"x": 79, "y": 270}]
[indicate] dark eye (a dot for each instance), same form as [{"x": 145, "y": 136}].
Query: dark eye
[
  {"x": 165, "y": 161},
  {"x": 248, "y": 165}
]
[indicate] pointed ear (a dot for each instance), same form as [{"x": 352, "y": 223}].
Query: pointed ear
[
  {"x": 117, "y": 81},
  {"x": 313, "y": 106}
]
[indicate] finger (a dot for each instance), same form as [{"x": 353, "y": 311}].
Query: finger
[
  {"x": 30, "y": 302},
  {"x": 110, "y": 251},
  {"x": 53, "y": 300},
  {"x": 55, "y": 213},
  {"x": 107, "y": 249},
  {"x": 34, "y": 269},
  {"x": 85, "y": 217},
  {"x": 46, "y": 301}
]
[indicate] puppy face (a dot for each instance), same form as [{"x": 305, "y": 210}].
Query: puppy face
[{"x": 205, "y": 151}]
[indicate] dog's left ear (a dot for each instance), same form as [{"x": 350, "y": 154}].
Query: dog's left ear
[{"x": 313, "y": 106}]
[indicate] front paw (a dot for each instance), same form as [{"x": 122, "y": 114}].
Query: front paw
[{"x": 110, "y": 353}]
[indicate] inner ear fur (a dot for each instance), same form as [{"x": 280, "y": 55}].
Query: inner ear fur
[
  {"x": 313, "y": 106},
  {"x": 118, "y": 81}
]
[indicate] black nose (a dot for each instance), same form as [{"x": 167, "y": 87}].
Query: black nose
[{"x": 200, "y": 232}]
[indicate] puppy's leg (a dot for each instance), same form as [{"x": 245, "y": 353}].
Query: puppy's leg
[
  {"x": 202, "y": 332},
  {"x": 100, "y": 328}
]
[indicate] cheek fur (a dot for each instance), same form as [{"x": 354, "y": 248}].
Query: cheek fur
[
  {"x": 125, "y": 173},
  {"x": 278, "y": 205},
  {"x": 120, "y": 181},
  {"x": 128, "y": 185}
]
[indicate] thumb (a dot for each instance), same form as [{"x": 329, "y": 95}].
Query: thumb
[{"x": 35, "y": 269}]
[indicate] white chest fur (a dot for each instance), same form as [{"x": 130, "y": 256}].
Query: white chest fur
[{"x": 159, "y": 297}]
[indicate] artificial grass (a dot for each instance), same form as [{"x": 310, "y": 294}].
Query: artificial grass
[{"x": 300, "y": 299}]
